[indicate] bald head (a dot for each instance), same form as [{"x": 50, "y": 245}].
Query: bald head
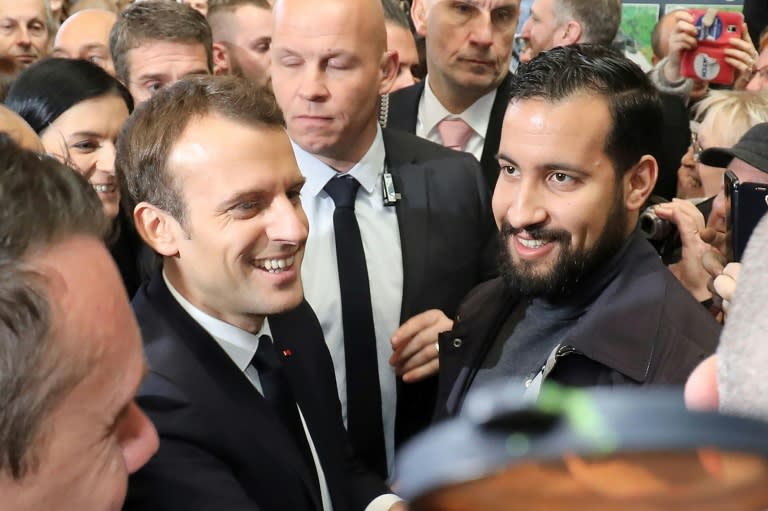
[
  {"x": 363, "y": 17},
  {"x": 85, "y": 35},
  {"x": 82, "y": 5},
  {"x": 329, "y": 65},
  {"x": 19, "y": 130}
]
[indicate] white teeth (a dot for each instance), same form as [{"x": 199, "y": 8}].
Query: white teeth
[
  {"x": 532, "y": 243},
  {"x": 104, "y": 188},
  {"x": 276, "y": 265}
]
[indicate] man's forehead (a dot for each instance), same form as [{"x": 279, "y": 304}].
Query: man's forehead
[
  {"x": 481, "y": 4},
  {"x": 22, "y": 8},
  {"x": 747, "y": 172}
]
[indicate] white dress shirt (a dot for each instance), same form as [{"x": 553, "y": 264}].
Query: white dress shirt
[
  {"x": 431, "y": 112},
  {"x": 320, "y": 274},
  {"x": 241, "y": 346}
]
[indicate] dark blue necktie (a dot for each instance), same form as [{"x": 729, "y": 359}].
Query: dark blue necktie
[
  {"x": 277, "y": 391},
  {"x": 364, "y": 422}
]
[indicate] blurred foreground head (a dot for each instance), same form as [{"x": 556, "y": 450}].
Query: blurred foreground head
[
  {"x": 70, "y": 350},
  {"x": 586, "y": 450}
]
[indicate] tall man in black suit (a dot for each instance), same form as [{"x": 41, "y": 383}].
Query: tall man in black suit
[
  {"x": 461, "y": 102},
  {"x": 398, "y": 225},
  {"x": 583, "y": 298},
  {"x": 241, "y": 384}
]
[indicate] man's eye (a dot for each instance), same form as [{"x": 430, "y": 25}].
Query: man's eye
[
  {"x": 247, "y": 206},
  {"x": 462, "y": 8},
  {"x": 86, "y": 146},
  {"x": 562, "y": 178},
  {"x": 510, "y": 170},
  {"x": 153, "y": 87},
  {"x": 290, "y": 62},
  {"x": 96, "y": 59},
  {"x": 503, "y": 16},
  {"x": 294, "y": 196}
]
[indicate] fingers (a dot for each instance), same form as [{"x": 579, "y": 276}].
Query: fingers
[
  {"x": 714, "y": 262},
  {"x": 415, "y": 353},
  {"x": 725, "y": 283},
  {"x": 686, "y": 217},
  {"x": 420, "y": 349},
  {"x": 421, "y": 372},
  {"x": 715, "y": 238},
  {"x": 418, "y": 323}
]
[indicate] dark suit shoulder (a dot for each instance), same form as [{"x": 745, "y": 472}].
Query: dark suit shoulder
[
  {"x": 402, "y": 147},
  {"x": 403, "y": 108}
]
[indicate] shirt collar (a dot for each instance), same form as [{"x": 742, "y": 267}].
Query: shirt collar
[
  {"x": 432, "y": 111},
  {"x": 238, "y": 344},
  {"x": 367, "y": 171}
]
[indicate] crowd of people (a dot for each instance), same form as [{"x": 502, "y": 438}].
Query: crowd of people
[{"x": 250, "y": 249}]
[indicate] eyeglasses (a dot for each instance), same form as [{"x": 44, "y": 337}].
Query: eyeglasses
[
  {"x": 762, "y": 72},
  {"x": 696, "y": 146}
]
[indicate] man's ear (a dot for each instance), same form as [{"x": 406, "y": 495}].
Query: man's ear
[
  {"x": 419, "y": 16},
  {"x": 390, "y": 65},
  {"x": 221, "y": 63},
  {"x": 639, "y": 182},
  {"x": 572, "y": 34},
  {"x": 157, "y": 228}
]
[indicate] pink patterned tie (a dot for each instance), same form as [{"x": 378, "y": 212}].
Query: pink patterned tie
[{"x": 455, "y": 133}]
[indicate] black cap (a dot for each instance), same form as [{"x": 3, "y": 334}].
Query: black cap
[{"x": 752, "y": 148}]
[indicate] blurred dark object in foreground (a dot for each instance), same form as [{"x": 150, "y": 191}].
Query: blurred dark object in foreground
[{"x": 599, "y": 449}]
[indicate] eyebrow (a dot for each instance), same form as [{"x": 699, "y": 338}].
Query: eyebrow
[
  {"x": 237, "y": 197},
  {"x": 84, "y": 134},
  {"x": 198, "y": 72},
  {"x": 154, "y": 76},
  {"x": 548, "y": 166},
  {"x": 94, "y": 46}
]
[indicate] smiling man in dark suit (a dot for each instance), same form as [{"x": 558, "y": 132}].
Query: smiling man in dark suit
[
  {"x": 398, "y": 225},
  {"x": 241, "y": 384},
  {"x": 461, "y": 102}
]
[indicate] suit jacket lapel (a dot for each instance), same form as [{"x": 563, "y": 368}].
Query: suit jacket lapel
[
  {"x": 251, "y": 406},
  {"x": 493, "y": 134},
  {"x": 404, "y": 108},
  {"x": 413, "y": 216}
]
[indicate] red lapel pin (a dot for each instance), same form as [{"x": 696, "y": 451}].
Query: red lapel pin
[{"x": 287, "y": 352}]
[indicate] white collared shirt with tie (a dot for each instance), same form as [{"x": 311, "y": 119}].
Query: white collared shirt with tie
[
  {"x": 380, "y": 234},
  {"x": 431, "y": 112},
  {"x": 241, "y": 346}
]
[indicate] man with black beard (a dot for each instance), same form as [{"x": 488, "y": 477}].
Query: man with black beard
[{"x": 583, "y": 298}]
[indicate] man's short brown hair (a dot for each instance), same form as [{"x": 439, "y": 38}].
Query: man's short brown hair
[
  {"x": 152, "y": 131},
  {"x": 41, "y": 203},
  {"x": 219, "y": 6},
  {"x": 157, "y": 21},
  {"x": 599, "y": 19}
]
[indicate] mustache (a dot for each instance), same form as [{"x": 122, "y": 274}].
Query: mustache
[{"x": 537, "y": 233}]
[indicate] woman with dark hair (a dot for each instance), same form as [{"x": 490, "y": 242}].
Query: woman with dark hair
[{"x": 78, "y": 110}]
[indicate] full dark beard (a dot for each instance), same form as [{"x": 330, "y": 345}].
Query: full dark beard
[{"x": 571, "y": 266}]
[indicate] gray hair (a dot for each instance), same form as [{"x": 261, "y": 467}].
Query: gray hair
[{"x": 41, "y": 202}]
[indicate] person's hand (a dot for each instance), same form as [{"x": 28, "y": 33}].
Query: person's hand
[
  {"x": 742, "y": 55},
  {"x": 689, "y": 222},
  {"x": 723, "y": 278},
  {"x": 725, "y": 284},
  {"x": 414, "y": 344},
  {"x": 682, "y": 38}
]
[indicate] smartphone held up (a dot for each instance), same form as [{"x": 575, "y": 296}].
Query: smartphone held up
[{"x": 714, "y": 30}]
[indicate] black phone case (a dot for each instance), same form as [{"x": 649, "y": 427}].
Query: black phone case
[{"x": 749, "y": 202}]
